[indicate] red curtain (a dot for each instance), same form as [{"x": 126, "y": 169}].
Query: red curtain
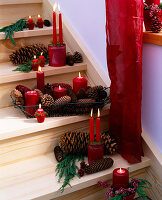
[{"x": 124, "y": 30}]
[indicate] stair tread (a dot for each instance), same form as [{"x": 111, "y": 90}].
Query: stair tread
[
  {"x": 12, "y": 2},
  {"x": 39, "y": 172},
  {"x": 14, "y": 123},
  {"x": 8, "y": 75},
  {"x": 31, "y": 33}
]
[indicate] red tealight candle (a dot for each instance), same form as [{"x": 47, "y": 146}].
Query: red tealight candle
[
  {"x": 54, "y": 25},
  {"x": 98, "y": 131},
  {"x": 91, "y": 127},
  {"x": 40, "y": 79},
  {"x": 120, "y": 178},
  {"x": 60, "y": 26},
  {"x": 40, "y": 110},
  {"x": 40, "y": 114},
  {"x": 42, "y": 60},
  {"x": 30, "y": 20},
  {"x": 79, "y": 82},
  {"x": 39, "y": 19},
  {"x": 35, "y": 60},
  {"x": 59, "y": 92},
  {"x": 31, "y": 99}
]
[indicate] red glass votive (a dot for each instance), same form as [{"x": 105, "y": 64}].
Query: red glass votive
[
  {"x": 30, "y": 25},
  {"x": 120, "y": 178},
  {"x": 57, "y": 56},
  {"x": 40, "y": 24},
  {"x": 35, "y": 65},
  {"x": 31, "y": 100},
  {"x": 41, "y": 118},
  {"x": 95, "y": 152},
  {"x": 59, "y": 92},
  {"x": 42, "y": 61}
]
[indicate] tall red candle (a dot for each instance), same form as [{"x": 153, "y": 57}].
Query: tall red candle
[
  {"x": 54, "y": 25},
  {"x": 59, "y": 92},
  {"x": 79, "y": 82},
  {"x": 31, "y": 99},
  {"x": 40, "y": 79},
  {"x": 98, "y": 131},
  {"x": 120, "y": 178},
  {"x": 91, "y": 127},
  {"x": 60, "y": 27}
]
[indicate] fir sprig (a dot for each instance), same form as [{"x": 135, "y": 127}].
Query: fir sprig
[
  {"x": 68, "y": 169},
  {"x": 9, "y": 30}
]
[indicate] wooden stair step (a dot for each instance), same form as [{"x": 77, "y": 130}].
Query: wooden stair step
[
  {"x": 39, "y": 172},
  {"x": 12, "y": 2}
]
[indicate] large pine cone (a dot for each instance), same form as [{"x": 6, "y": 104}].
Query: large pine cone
[
  {"x": 47, "y": 100},
  {"x": 77, "y": 57},
  {"x": 74, "y": 142},
  {"x": 71, "y": 94},
  {"x": 39, "y": 92},
  {"x": 63, "y": 100},
  {"x": 99, "y": 165},
  {"x": 26, "y": 53}
]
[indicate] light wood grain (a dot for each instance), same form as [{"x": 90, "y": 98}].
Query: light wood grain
[
  {"x": 12, "y": 2},
  {"x": 152, "y": 38}
]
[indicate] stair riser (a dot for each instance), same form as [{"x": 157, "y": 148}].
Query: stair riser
[
  {"x": 11, "y": 13},
  {"x": 39, "y": 143},
  {"x": 5, "y": 89}
]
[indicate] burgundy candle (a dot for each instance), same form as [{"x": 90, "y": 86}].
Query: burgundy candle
[
  {"x": 120, "y": 178},
  {"x": 59, "y": 92},
  {"x": 79, "y": 82},
  {"x": 54, "y": 25},
  {"x": 31, "y": 99},
  {"x": 91, "y": 127},
  {"x": 40, "y": 79},
  {"x": 98, "y": 134}
]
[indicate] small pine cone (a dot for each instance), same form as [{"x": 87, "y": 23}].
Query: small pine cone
[
  {"x": 64, "y": 85},
  {"x": 16, "y": 94},
  {"x": 94, "y": 92},
  {"x": 99, "y": 165},
  {"x": 22, "y": 89},
  {"x": 69, "y": 59},
  {"x": 77, "y": 57},
  {"x": 102, "y": 94},
  {"x": 156, "y": 25},
  {"x": 39, "y": 92},
  {"x": 47, "y": 100},
  {"x": 81, "y": 94},
  {"x": 71, "y": 94},
  {"x": 58, "y": 153},
  {"x": 49, "y": 89},
  {"x": 81, "y": 172},
  {"x": 63, "y": 100}
]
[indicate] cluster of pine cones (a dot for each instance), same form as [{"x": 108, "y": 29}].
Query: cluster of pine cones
[{"x": 74, "y": 58}]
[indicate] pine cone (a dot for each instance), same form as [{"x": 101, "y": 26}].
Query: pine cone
[
  {"x": 63, "y": 85},
  {"x": 69, "y": 59},
  {"x": 47, "y": 23},
  {"x": 63, "y": 100},
  {"x": 156, "y": 25},
  {"x": 94, "y": 92},
  {"x": 22, "y": 89},
  {"x": 99, "y": 165},
  {"x": 110, "y": 144},
  {"x": 20, "y": 101},
  {"x": 47, "y": 100},
  {"x": 58, "y": 153},
  {"x": 71, "y": 94},
  {"x": 16, "y": 94},
  {"x": 77, "y": 57},
  {"x": 74, "y": 142},
  {"x": 25, "y": 54},
  {"x": 81, "y": 94},
  {"x": 39, "y": 92},
  {"x": 81, "y": 172},
  {"x": 49, "y": 89}
]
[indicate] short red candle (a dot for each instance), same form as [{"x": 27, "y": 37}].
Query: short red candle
[
  {"x": 30, "y": 20},
  {"x": 60, "y": 27},
  {"x": 59, "y": 92},
  {"x": 98, "y": 131},
  {"x": 40, "y": 110},
  {"x": 54, "y": 25},
  {"x": 31, "y": 99},
  {"x": 42, "y": 60},
  {"x": 120, "y": 178},
  {"x": 39, "y": 19},
  {"x": 91, "y": 127},
  {"x": 40, "y": 79},
  {"x": 79, "y": 82},
  {"x": 35, "y": 60}
]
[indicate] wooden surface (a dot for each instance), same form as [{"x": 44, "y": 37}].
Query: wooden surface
[
  {"x": 152, "y": 38},
  {"x": 8, "y": 2}
]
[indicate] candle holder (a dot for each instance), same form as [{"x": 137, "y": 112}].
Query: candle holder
[
  {"x": 40, "y": 24},
  {"x": 35, "y": 65},
  {"x": 40, "y": 118},
  {"x": 57, "y": 55},
  {"x": 95, "y": 152},
  {"x": 30, "y": 25}
]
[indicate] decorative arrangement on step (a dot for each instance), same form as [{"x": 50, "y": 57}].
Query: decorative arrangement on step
[
  {"x": 122, "y": 189},
  {"x": 22, "y": 24},
  {"x": 26, "y": 61},
  {"x": 60, "y": 99},
  {"x": 153, "y": 15},
  {"x": 73, "y": 147}
]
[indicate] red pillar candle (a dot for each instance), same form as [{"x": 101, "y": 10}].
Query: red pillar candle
[
  {"x": 31, "y": 99},
  {"x": 54, "y": 25},
  {"x": 120, "y": 178},
  {"x": 39, "y": 19},
  {"x": 59, "y": 92},
  {"x": 91, "y": 127},
  {"x": 42, "y": 60},
  {"x": 40, "y": 79},
  {"x": 98, "y": 134},
  {"x": 60, "y": 26},
  {"x": 79, "y": 82}
]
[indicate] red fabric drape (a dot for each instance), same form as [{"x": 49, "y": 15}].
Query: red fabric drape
[{"x": 124, "y": 30}]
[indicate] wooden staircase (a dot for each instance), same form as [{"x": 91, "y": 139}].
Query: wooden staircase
[{"x": 27, "y": 163}]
